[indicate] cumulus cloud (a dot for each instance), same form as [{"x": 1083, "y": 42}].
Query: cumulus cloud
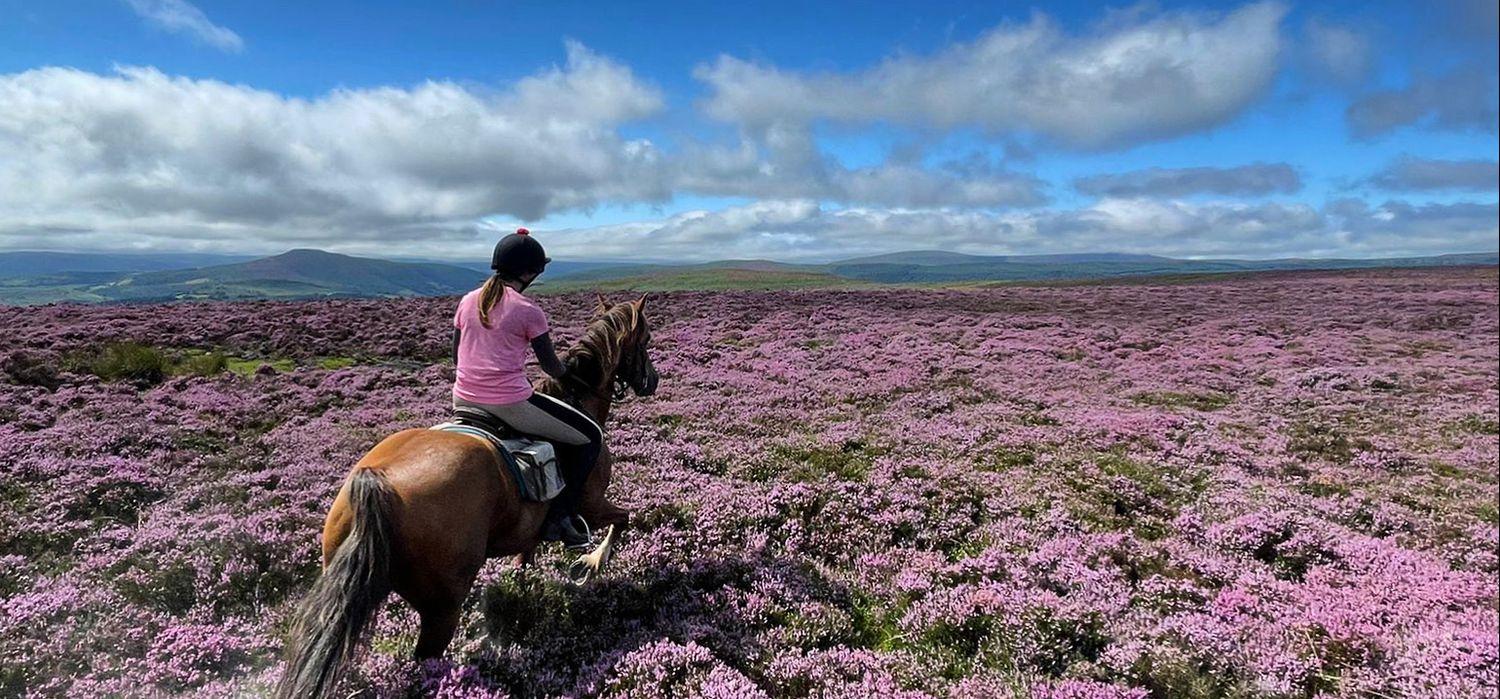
[
  {"x": 141, "y": 152},
  {"x": 1128, "y": 81},
  {"x": 1397, "y": 227},
  {"x": 1462, "y": 100},
  {"x": 181, "y": 17},
  {"x": 787, "y": 164},
  {"x": 1417, "y": 174},
  {"x": 1246, "y": 180},
  {"x": 166, "y": 161},
  {"x": 1451, "y": 86},
  {"x": 801, "y": 230},
  {"x": 1337, "y": 53}
]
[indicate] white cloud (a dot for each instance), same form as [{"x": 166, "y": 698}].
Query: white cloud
[
  {"x": 1461, "y": 100},
  {"x": 180, "y": 16},
  {"x": 800, "y": 230},
  {"x": 1418, "y": 174},
  {"x": 1338, "y": 53},
  {"x": 1258, "y": 179},
  {"x": 1127, "y": 82},
  {"x": 168, "y": 161},
  {"x": 1450, "y": 85},
  {"x": 141, "y": 153},
  {"x": 787, "y": 164}
]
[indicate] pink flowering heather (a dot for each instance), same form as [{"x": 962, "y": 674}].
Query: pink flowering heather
[{"x": 1267, "y": 487}]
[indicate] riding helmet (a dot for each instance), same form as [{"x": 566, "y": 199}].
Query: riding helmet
[{"x": 518, "y": 253}]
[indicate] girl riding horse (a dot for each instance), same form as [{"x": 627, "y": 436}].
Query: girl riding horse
[
  {"x": 492, "y": 330},
  {"x": 423, "y": 510}
]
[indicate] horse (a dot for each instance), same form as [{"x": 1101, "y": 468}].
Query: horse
[{"x": 422, "y": 511}]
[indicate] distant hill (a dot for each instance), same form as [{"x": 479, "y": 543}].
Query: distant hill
[
  {"x": 651, "y": 273},
  {"x": 318, "y": 274},
  {"x": 339, "y": 274},
  {"x": 925, "y": 268},
  {"x": 34, "y": 264},
  {"x": 294, "y": 274},
  {"x": 932, "y": 258},
  {"x": 556, "y": 269}
]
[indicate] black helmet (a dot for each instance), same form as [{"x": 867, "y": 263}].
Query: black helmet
[{"x": 518, "y": 254}]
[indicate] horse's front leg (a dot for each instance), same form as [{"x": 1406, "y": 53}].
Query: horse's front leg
[{"x": 590, "y": 564}]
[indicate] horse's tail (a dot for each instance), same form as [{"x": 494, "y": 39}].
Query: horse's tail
[{"x": 346, "y": 596}]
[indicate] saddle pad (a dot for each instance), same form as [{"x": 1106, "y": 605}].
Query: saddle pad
[{"x": 532, "y": 463}]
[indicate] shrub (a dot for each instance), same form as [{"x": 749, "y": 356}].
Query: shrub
[{"x": 128, "y": 361}]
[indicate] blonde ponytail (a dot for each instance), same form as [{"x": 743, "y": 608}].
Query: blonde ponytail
[{"x": 492, "y": 293}]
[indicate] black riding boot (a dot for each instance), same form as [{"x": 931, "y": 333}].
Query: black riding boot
[{"x": 562, "y": 523}]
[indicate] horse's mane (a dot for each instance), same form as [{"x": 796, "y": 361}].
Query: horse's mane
[{"x": 600, "y": 347}]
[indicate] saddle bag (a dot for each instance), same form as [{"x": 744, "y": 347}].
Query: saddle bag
[
  {"x": 535, "y": 467},
  {"x": 531, "y": 462}
]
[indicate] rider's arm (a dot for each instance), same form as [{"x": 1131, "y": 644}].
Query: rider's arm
[{"x": 546, "y": 355}]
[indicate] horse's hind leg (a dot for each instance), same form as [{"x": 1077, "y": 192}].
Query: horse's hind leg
[
  {"x": 438, "y": 627},
  {"x": 439, "y": 600}
]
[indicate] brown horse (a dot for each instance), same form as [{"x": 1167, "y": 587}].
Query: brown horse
[{"x": 421, "y": 512}]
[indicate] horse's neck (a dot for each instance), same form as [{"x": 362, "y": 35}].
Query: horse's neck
[{"x": 598, "y": 408}]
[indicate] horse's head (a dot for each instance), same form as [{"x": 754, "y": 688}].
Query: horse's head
[
  {"x": 635, "y": 369},
  {"x": 614, "y": 356}
]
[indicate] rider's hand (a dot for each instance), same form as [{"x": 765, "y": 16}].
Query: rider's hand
[{"x": 571, "y": 379}]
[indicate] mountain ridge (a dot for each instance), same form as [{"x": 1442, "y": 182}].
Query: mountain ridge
[{"x": 310, "y": 273}]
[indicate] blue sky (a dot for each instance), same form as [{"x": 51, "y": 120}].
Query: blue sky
[{"x": 789, "y": 131}]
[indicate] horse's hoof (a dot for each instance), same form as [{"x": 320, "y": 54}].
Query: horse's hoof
[{"x": 581, "y": 571}]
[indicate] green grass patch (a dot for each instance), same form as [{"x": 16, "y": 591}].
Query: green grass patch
[
  {"x": 1203, "y": 402},
  {"x": 336, "y": 362},
  {"x": 875, "y": 622},
  {"x": 1032, "y": 418},
  {"x": 816, "y": 463},
  {"x": 1323, "y": 441},
  {"x": 1323, "y": 488},
  {"x": 1478, "y": 424},
  {"x": 1009, "y": 458},
  {"x": 1488, "y": 512},
  {"x": 247, "y": 367},
  {"x": 1117, "y": 492},
  {"x": 669, "y": 421},
  {"x": 203, "y": 364}
]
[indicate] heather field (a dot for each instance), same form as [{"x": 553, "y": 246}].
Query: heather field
[{"x": 1270, "y": 486}]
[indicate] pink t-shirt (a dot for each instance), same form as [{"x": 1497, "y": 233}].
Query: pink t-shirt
[{"x": 492, "y": 361}]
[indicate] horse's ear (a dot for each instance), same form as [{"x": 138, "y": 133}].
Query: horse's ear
[
  {"x": 603, "y": 307},
  {"x": 640, "y": 304}
]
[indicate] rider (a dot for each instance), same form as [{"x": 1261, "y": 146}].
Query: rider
[{"x": 492, "y": 328}]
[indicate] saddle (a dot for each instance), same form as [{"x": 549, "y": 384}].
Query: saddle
[{"x": 531, "y": 462}]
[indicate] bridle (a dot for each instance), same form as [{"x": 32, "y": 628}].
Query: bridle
[{"x": 631, "y": 371}]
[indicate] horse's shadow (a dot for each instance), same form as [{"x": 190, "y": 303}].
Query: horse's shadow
[{"x": 539, "y": 621}]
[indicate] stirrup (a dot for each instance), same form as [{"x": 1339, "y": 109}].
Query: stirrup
[{"x": 556, "y": 525}]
